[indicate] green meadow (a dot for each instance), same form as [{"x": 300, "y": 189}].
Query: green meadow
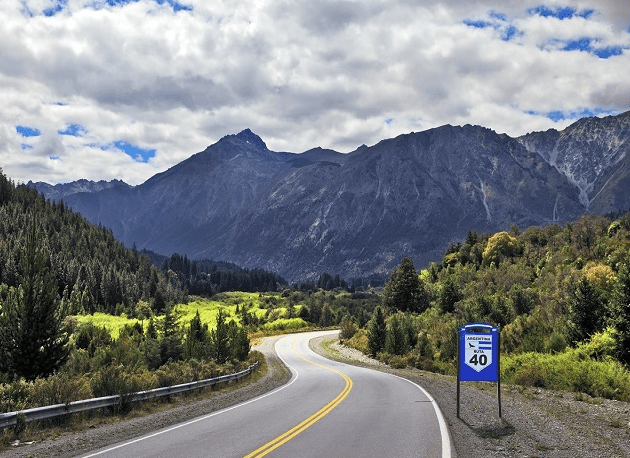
[{"x": 272, "y": 312}]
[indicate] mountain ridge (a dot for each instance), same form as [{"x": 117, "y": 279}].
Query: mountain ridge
[{"x": 356, "y": 214}]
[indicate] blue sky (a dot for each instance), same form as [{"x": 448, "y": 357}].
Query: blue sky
[{"x": 104, "y": 89}]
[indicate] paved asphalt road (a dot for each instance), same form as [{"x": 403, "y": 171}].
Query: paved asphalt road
[{"x": 328, "y": 409}]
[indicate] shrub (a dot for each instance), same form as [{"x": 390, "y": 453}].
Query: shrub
[
  {"x": 572, "y": 370},
  {"x": 284, "y": 323},
  {"x": 556, "y": 343},
  {"x": 60, "y": 388},
  {"x": 359, "y": 341},
  {"x": 397, "y": 361},
  {"x": 348, "y": 330}
]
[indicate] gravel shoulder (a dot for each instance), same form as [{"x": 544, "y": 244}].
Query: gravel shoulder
[{"x": 534, "y": 423}]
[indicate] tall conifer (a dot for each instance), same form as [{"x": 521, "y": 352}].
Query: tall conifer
[{"x": 33, "y": 341}]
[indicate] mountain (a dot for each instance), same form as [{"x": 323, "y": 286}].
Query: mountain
[
  {"x": 593, "y": 155},
  {"x": 359, "y": 213},
  {"x": 59, "y": 191}
]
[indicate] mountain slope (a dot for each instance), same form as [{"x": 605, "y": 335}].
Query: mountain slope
[
  {"x": 593, "y": 154},
  {"x": 359, "y": 213}
]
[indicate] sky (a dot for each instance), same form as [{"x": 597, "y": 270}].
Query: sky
[{"x": 122, "y": 89}]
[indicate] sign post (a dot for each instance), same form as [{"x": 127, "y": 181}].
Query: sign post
[{"x": 478, "y": 359}]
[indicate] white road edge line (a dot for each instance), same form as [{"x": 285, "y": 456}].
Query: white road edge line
[
  {"x": 446, "y": 439},
  {"x": 181, "y": 425}
]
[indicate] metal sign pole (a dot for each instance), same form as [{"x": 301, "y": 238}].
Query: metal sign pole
[
  {"x": 499, "y": 371},
  {"x": 458, "y": 366},
  {"x": 478, "y": 357}
]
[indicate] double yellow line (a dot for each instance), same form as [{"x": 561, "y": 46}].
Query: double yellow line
[{"x": 297, "y": 429}]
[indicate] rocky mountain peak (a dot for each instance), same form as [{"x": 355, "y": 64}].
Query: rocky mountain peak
[
  {"x": 585, "y": 152},
  {"x": 246, "y": 138}
]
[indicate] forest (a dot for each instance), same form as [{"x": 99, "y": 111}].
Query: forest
[{"x": 56, "y": 267}]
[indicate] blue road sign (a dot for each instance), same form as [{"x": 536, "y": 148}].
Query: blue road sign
[{"x": 478, "y": 359}]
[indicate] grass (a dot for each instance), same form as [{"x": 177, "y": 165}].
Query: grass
[
  {"x": 270, "y": 308},
  {"x": 112, "y": 323}
]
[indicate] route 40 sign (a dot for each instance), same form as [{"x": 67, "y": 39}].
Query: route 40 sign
[
  {"x": 478, "y": 357},
  {"x": 478, "y": 353}
]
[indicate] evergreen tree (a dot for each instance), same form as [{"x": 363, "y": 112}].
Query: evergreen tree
[
  {"x": 395, "y": 337},
  {"x": 405, "y": 291},
  {"x": 197, "y": 338},
  {"x": 240, "y": 344},
  {"x": 220, "y": 338},
  {"x": 449, "y": 296},
  {"x": 171, "y": 343},
  {"x": 585, "y": 311},
  {"x": 32, "y": 341},
  {"x": 377, "y": 331},
  {"x": 621, "y": 308},
  {"x": 326, "y": 318}
]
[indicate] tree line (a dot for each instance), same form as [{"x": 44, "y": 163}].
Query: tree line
[
  {"x": 207, "y": 277},
  {"x": 53, "y": 264}
]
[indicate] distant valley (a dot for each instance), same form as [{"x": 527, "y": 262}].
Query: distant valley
[{"x": 359, "y": 213}]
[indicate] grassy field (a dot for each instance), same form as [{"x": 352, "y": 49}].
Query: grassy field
[{"x": 269, "y": 308}]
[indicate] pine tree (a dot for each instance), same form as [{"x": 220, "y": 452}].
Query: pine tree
[
  {"x": 585, "y": 311},
  {"x": 405, "y": 291},
  {"x": 377, "y": 331},
  {"x": 326, "y": 319},
  {"x": 220, "y": 337},
  {"x": 240, "y": 344},
  {"x": 395, "y": 337},
  {"x": 449, "y": 296},
  {"x": 621, "y": 307},
  {"x": 197, "y": 338},
  {"x": 32, "y": 341}
]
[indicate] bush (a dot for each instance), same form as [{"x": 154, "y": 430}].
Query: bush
[
  {"x": 348, "y": 330},
  {"x": 60, "y": 389},
  {"x": 572, "y": 370},
  {"x": 556, "y": 343},
  {"x": 359, "y": 341},
  {"x": 283, "y": 324},
  {"x": 397, "y": 361}
]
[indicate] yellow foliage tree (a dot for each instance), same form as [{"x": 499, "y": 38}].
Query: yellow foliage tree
[
  {"x": 600, "y": 275},
  {"x": 500, "y": 246}
]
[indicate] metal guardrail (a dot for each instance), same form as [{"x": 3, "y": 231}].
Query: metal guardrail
[{"x": 57, "y": 410}]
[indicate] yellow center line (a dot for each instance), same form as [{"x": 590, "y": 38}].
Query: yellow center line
[{"x": 297, "y": 429}]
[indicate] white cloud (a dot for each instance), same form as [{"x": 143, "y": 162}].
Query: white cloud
[{"x": 300, "y": 74}]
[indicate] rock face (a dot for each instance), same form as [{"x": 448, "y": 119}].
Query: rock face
[
  {"x": 593, "y": 155},
  {"x": 60, "y": 191},
  {"x": 359, "y": 213}
]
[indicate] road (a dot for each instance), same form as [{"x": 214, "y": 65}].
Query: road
[{"x": 328, "y": 409}]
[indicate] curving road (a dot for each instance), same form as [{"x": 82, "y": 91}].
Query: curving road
[{"x": 328, "y": 409}]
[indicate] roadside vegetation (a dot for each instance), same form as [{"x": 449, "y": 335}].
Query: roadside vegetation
[{"x": 561, "y": 295}]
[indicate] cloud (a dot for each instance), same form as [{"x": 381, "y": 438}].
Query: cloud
[{"x": 99, "y": 78}]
